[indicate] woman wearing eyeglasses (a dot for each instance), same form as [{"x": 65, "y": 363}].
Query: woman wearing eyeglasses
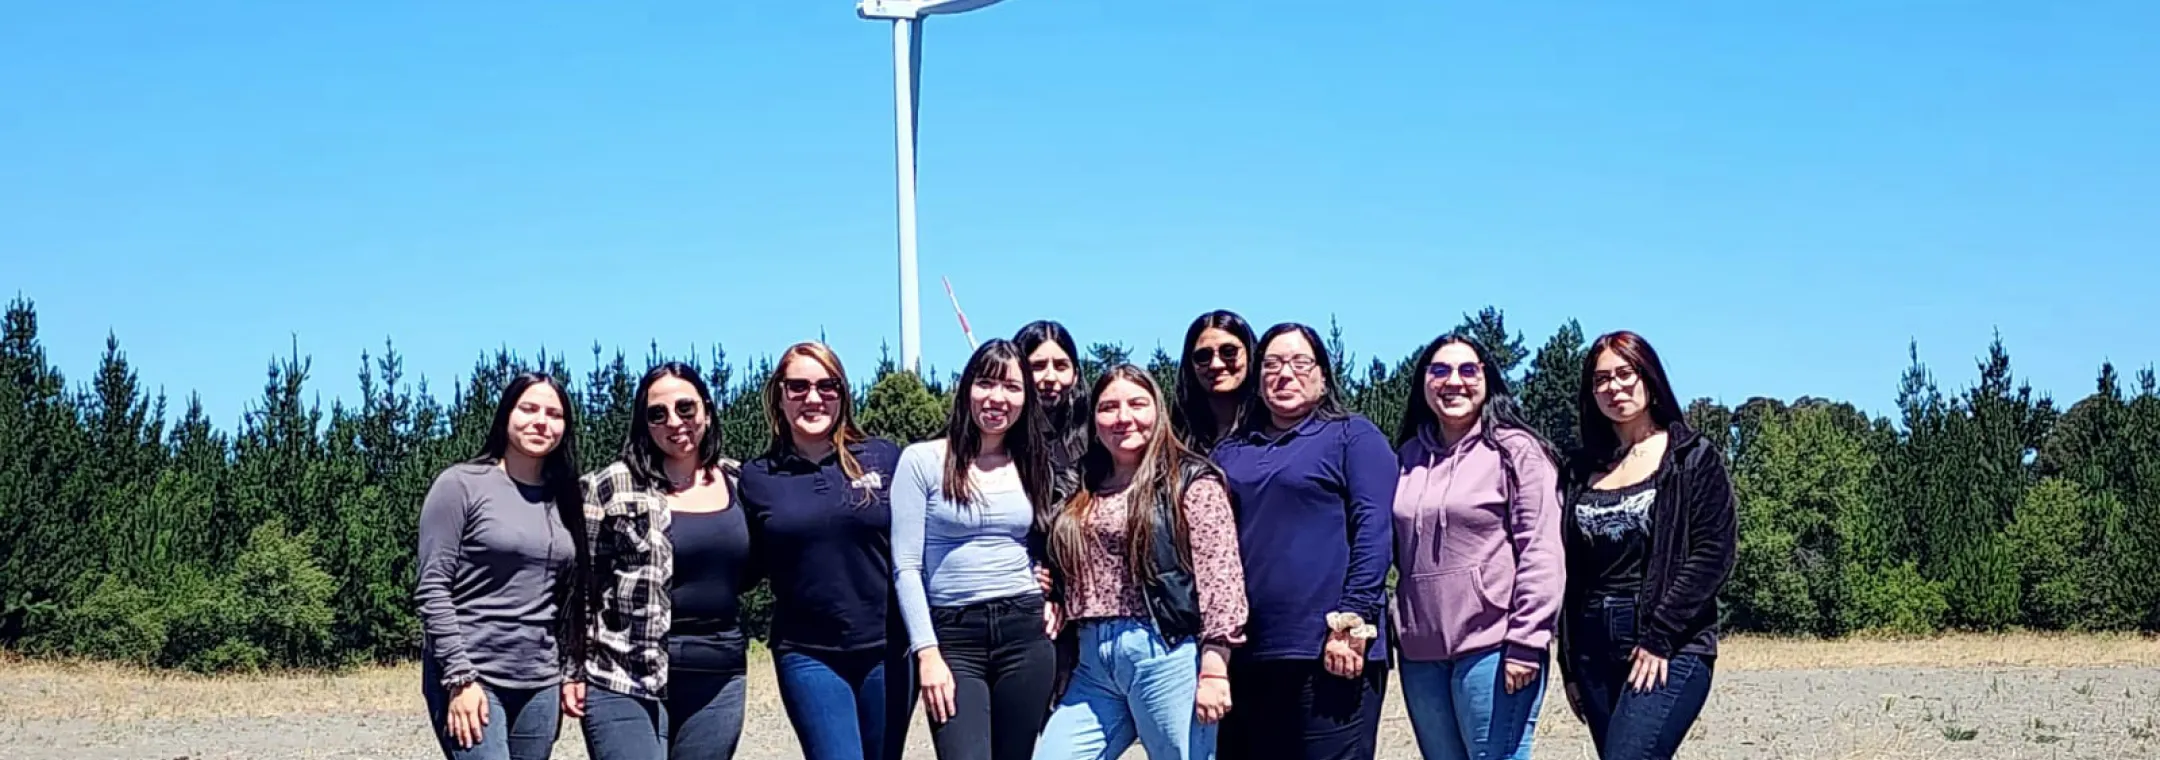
[
  {"x": 1650, "y": 539},
  {"x": 821, "y": 518},
  {"x": 1477, "y": 559},
  {"x": 1215, "y": 382},
  {"x": 665, "y": 663},
  {"x": 1312, "y": 484}
]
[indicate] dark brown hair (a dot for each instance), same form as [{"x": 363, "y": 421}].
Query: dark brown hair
[
  {"x": 1158, "y": 478},
  {"x": 1024, "y": 440},
  {"x": 1600, "y": 436}
]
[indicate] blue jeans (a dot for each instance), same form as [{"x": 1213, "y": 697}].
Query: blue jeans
[
  {"x": 522, "y": 723},
  {"x": 702, "y": 718},
  {"x": 1460, "y": 708},
  {"x": 847, "y": 705},
  {"x": 1128, "y": 684},
  {"x": 1624, "y": 723}
]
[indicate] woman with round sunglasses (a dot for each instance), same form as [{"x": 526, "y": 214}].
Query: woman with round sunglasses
[
  {"x": 1477, "y": 557},
  {"x": 671, "y": 553},
  {"x": 1153, "y": 587},
  {"x": 820, "y": 515},
  {"x": 1312, "y": 483},
  {"x": 967, "y": 510},
  {"x": 1650, "y": 538},
  {"x": 1215, "y": 383},
  {"x": 501, "y": 548}
]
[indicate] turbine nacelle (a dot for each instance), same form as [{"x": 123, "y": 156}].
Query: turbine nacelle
[{"x": 907, "y": 10}]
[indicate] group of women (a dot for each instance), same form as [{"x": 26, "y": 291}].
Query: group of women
[{"x": 1067, "y": 571}]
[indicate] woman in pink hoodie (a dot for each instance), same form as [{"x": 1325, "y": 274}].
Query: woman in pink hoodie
[{"x": 1477, "y": 554}]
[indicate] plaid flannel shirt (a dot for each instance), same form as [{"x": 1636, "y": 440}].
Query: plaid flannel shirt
[{"x": 633, "y": 569}]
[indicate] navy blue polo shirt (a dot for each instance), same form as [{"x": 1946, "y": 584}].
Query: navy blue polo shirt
[
  {"x": 1314, "y": 528},
  {"x": 826, "y": 544}
]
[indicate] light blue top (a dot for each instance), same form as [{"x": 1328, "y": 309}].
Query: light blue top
[{"x": 949, "y": 555}]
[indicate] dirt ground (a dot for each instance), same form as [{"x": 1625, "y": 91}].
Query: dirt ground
[{"x": 1966, "y": 697}]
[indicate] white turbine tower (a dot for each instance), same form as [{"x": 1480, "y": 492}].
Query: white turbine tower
[{"x": 907, "y": 17}]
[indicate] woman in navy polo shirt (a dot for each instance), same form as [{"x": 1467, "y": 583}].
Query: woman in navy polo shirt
[
  {"x": 822, "y": 523},
  {"x": 1314, "y": 486}
]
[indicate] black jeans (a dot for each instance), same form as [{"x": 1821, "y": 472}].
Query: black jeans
[
  {"x": 1003, "y": 667},
  {"x": 1295, "y": 709},
  {"x": 1624, "y": 723}
]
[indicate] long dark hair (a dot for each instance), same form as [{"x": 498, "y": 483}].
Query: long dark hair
[
  {"x": 1600, "y": 436},
  {"x": 1023, "y": 441},
  {"x": 1500, "y": 411},
  {"x": 560, "y": 470},
  {"x": 1330, "y": 406},
  {"x": 1159, "y": 479},
  {"x": 1191, "y": 416},
  {"x": 641, "y": 454},
  {"x": 1070, "y": 423}
]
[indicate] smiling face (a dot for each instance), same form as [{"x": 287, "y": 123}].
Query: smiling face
[
  {"x": 1218, "y": 360},
  {"x": 996, "y": 403},
  {"x": 1619, "y": 390},
  {"x": 1455, "y": 385},
  {"x": 536, "y": 423},
  {"x": 1290, "y": 378},
  {"x": 1054, "y": 371},
  {"x": 1125, "y": 420},
  {"x": 675, "y": 416},
  {"x": 809, "y": 398}
]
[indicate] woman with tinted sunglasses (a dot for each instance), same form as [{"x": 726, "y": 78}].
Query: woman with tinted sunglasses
[
  {"x": 967, "y": 515},
  {"x": 671, "y": 553},
  {"x": 1215, "y": 381},
  {"x": 501, "y": 548},
  {"x": 1477, "y": 557},
  {"x": 1651, "y": 536},
  {"x": 821, "y": 519}
]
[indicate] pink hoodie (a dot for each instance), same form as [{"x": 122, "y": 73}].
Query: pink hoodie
[{"x": 1477, "y": 567}]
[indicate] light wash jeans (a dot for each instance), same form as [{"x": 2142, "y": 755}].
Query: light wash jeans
[
  {"x": 1460, "y": 708},
  {"x": 1128, "y": 684}
]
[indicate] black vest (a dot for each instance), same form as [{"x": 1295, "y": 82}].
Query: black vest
[{"x": 1173, "y": 595}]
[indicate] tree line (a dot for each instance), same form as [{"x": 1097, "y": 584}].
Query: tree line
[{"x": 132, "y": 533}]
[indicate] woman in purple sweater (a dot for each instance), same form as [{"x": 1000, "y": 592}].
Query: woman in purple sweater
[{"x": 1477, "y": 559}]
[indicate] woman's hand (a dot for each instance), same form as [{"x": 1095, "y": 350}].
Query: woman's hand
[
  {"x": 1042, "y": 578},
  {"x": 937, "y": 684},
  {"x": 1053, "y": 619},
  {"x": 1648, "y": 672},
  {"x": 1213, "y": 700},
  {"x": 1519, "y": 675},
  {"x": 468, "y": 715},
  {"x": 573, "y": 699},
  {"x": 1344, "y": 656}
]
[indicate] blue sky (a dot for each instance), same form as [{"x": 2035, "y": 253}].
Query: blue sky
[{"x": 1780, "y": 196}]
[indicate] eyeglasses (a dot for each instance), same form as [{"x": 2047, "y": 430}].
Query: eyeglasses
[
  {"x": 1621, "y": 377},
  {"x": 685, "y": 409},
  {"x": 798, "y": 387},
  {"x": 1299, "y": 364},
  {"x": 1206, "y": 356},
  {"x": 1470, "y": 371}
]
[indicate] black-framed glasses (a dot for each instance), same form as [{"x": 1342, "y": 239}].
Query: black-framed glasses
[
  {"x": 1623, "y": 376},
  {"x": 1299, "y": 364},
  {"x": 1469, "y": 371},
  {"x": 685, "y": 409},
  {"x": 798, "y": 387},
  {"x": 1206, "y": 356}
]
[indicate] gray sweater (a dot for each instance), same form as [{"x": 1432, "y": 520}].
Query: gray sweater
[
  {"x": 493, "y": 552},
  {"x": 948, "y": 555}
]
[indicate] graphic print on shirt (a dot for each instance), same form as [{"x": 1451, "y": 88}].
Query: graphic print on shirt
[{"x": 1611, "y": 516}]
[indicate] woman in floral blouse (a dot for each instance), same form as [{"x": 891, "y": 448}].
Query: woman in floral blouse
[{"x": 1147, "y": 565}]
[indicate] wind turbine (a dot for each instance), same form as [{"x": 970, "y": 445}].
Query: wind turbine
[{"x": 907, "y": 17}]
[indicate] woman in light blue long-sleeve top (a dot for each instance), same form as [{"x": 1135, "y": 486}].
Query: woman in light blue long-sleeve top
[{"x": 966, "y": 528}]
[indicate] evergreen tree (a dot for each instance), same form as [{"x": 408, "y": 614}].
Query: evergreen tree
[
  {"x": 1552, "y": 385},
  {"x": 1489, "y": 326}
]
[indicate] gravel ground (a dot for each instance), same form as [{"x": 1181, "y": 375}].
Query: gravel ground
[{"x": 1841, "y": 714}]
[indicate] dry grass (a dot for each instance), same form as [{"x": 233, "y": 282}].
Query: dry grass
[{"x": 108, "y": 693}]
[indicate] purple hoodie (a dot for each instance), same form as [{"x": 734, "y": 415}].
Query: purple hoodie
[{"x": 1479, "y": 564}]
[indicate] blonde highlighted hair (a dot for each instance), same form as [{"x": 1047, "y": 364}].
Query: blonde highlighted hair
[{"x": 844, "y": 433}]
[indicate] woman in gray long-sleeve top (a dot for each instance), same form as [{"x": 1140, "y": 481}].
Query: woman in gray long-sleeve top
[{"x": 502, "y": 542}]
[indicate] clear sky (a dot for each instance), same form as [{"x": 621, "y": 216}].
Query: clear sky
[{"x": 1780, "y": 195}]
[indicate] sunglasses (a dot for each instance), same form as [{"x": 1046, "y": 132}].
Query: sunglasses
[
  {"x": 685, "y": 408},
  {"x": 1204, "y": 356},
  {"x": 1468, "y": 370},
  {"x": 798, "y": 387}
]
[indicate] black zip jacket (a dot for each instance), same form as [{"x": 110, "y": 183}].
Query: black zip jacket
[{"x": 1693, "y": 540}]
